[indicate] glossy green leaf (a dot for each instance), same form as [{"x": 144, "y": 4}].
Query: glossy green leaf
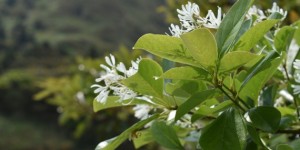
[
  {"x": 265, "y": 118},
  {"x": 186, "y": 73},
  {"x": 115, "y": 142},
  {"x": 144, "y": 80},
  {"x": 185, "y": 88},
  {"x": 142, "y": 138},
  {"x": 254, "y": 134},
  {"x": 268, "y": 94},
  {"x": 194, "y": 101},
  {"x": 283, "y": 38},
  {"x": 114, "y": 101},
  {"x": 250, "y": 38},
  {"x": 231, "y": 24},
  {"x": 201, "y": 44},
  {"x": 234, "y": 60},
  {"x": 227, "y": 132},
  {"x": 167, "y": 47},
  {"x": 256, "y": 79},
  {"x": 165, "y": 135}
]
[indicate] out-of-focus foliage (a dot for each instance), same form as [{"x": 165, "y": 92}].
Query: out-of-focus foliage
[
  {"x": 40, "y": 45},
  {"x": 72, "y": 95}
]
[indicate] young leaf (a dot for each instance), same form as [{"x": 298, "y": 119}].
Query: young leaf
[
  {"x": 186, "y": 73},
  {"x": 165, "y": 135},
  {"x": 248, "y": 40},
  {"x": 201, "y": 44},
  {"x": 115, "y": 142},
  {"x": 142, "y": 138},
  {"x": 284, "y": 38},
  {"x": 284, "y": 147},
  {"x": 265, "y": 118},
  {"x": 194, "y": 101},
  {"x": 234, "y": 60},
  {"x": 227, "y": 132},
  {"x": 114, "y": 101},
  {"x": 144, "y": 80},
  {"x": 231, "y": 24},
  {"x": 167, "y": 47}
]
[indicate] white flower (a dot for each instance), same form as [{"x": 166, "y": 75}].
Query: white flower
[
  {"x": 285, "y": 94},
  {"x": 258, "y": 13},
  {"x": 276, "y": 9},
  {"x": 142, "y": 111},
  {"x": 296, "y": 89},
  {"x": 111, "y": 80},
  {"x": 175, "y": 30},
  {"x": 188, "y": 12},
  {"x": 212, "y": 21}
]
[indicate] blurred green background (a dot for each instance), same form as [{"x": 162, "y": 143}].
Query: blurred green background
[{"x": 50, "y": 51}]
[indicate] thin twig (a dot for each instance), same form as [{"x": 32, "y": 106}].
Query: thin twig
[{"x": 234, "y": 101}]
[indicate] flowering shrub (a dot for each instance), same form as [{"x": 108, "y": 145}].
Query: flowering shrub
[{"x": 236, "y": 86}]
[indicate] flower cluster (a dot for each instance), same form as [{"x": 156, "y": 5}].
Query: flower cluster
[
  {"x": 190, "y": 18},
  {"x": 258, "y": 15},
  {"x": 111, "y": 78}
]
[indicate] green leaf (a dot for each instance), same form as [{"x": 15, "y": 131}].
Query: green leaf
[
  {"x": 167, "y": 47},
  {"x": 165, "y": 136},
  {"x": 283, "y": 38},
  {"x": 260, "y": 74},
  {"x": 185, "y": 88},
  {"x": 194, "y": 101},
  {"x": 250, "y": 38},
  {"x": 142, "y": 138},
  {"x": 234, "y": 60},
  {"x": 268, "y": 94},
  {"x": 284, "y": 147},
  {"x": 231, "y": 24},
  {"x": 186, "y": 73},
  {"x": 114, "y": 101},
  {"x": 144, "y": 82},
  {"x": 115, "y": 142},
  {"x": 254, "y": 134},
  {"x": 265, "y": 118},
  {"x": 205, "y": 110},
  {"x": 297, "y": 32},
  {"x": 202, "y": 45},
  {"x": 227, "y": 132}
]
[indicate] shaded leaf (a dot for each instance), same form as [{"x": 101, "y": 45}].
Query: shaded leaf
[
  {"x": 165, "y": 135},
  {"x": 265, "y": 118},
  {"x": 115, "y": 142},
  {"x": 227, "y": 132},
  {"x": 283, "y": 38}
]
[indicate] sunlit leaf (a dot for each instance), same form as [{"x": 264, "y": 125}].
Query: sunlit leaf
[
  {"x": 201, "y": 44},
  {"x": 167, "y": 47}
]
